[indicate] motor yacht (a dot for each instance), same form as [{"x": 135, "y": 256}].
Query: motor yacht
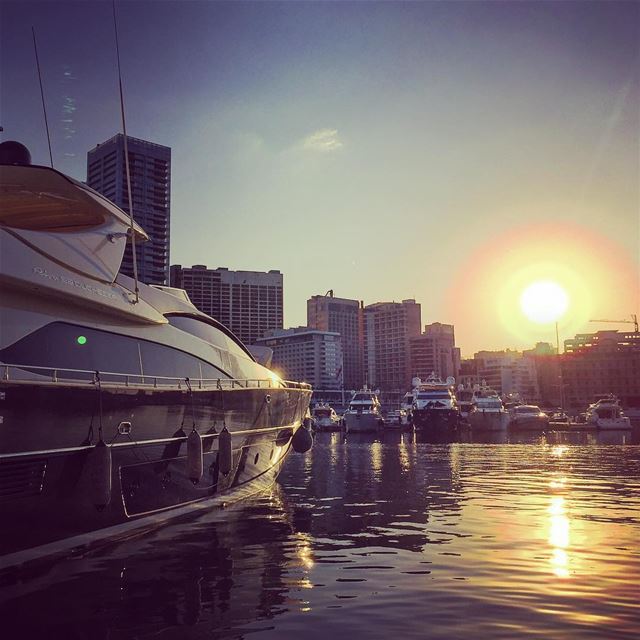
[
  {"x": 607, "y": 413},
  {"x": 488, "y": 412},
  {"x": 363, "y": 413},
  {"x": 121, "y": 404},
  {"x": 435, "y": 408}
]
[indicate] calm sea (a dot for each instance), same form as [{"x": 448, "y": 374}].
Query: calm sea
[{"x": 376, "y": 537}]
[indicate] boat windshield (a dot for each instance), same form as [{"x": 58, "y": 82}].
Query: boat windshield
[
  {"x": 465, "y": 395},
  {"x": 434, "y": 395},
  {"x": 365, "y": 406},
  {"x": 322, "y": 413},
  {"x": 362, "y": 397}
]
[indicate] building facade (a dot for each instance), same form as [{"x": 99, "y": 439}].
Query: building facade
[
  {"x": 388, "y": 329},
  {"x": 508, "y": 372},
  {"x": 343, "y": 316},
  {"x": 249, "y": 303},
  {"x": 308, "y": 355},
  {"x": 601, "y": 363},
  {"x": 435, "y": 351},
  {"x": 150, "y": 170}
]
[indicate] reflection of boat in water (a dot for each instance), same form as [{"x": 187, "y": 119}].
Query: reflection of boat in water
[
  {"x": 607, "y": 413},
  {"x": 488, "y": 413},
  {"x": 528, "y": 416},
  {"x": 120, "y": 400},
  {"x": 326, "y": 419},
  {"x": 363, "y": 413},
  {"x": 434, "y": 405}
]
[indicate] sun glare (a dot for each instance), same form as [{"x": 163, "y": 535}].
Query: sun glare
[{"x": 544, "y": 301}]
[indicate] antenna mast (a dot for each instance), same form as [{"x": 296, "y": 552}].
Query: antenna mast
[
  {"x": 44, "y": 108},
  {"x": 126, "y": 162}
]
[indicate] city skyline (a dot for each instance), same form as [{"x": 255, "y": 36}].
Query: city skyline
[{"x": 449, "y": 153}]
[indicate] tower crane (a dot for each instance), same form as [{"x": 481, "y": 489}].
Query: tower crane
[{"x": 633, "y": 321}]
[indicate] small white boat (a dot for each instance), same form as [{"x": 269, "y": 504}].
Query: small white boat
[
  {"x": 326, "y": 419},
  {"x": 528, "y": 416}
]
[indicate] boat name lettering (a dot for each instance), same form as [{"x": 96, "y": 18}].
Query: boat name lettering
[{"x": 74, "y": 283}]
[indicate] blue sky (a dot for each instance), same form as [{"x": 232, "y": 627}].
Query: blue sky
[{"x": 366, "y": 147}]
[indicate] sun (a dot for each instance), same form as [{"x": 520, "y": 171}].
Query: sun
[{"x": 544, "y": 301}]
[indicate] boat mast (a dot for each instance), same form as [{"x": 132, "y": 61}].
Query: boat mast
[
  {"x": 126, "y": 163},
  {"x": 44, "y": 108}
]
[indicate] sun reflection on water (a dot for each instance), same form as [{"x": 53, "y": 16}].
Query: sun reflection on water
[{"x": 559, "y": 537}]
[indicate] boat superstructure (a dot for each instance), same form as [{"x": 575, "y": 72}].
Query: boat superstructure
[
  {"x": 363, "y": 413},
  {"x": 435, "y": 407},
  {"x": 102, "y": 390}
]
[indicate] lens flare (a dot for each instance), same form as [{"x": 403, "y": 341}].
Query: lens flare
[{"x": 544, "y": 301}]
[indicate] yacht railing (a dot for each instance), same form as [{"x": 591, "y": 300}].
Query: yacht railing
[{"x": 109, "y": 378}]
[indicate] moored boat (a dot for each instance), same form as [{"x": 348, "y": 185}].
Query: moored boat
[
  {"x": 363, "y": 414},
  {"x": 434, "y": 405},
  {"x": 528, "y": 416},
  {"x": 607, "y": 414},
  {"x": 488, "y": 412},
  {"x": 325, "y": 418},
  {"x": 121, "y": 403}
]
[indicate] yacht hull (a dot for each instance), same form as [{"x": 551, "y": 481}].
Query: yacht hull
[
  {"x": 436, "y": 420},
  {"x": 481, "y": 420},
  {"x": 47, "y": 470},
  {"x": 361, "y": 422}
]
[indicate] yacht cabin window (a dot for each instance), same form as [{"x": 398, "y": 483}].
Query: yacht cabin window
[{"x": 60, "y": 345}]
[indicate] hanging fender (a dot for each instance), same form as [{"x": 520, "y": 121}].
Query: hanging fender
[
  {"x": 195, "y": 463},
  {"x": 302, "y": 440},
  {"x": 100, "y": 475},
  {"x": 225, "y": 454}
]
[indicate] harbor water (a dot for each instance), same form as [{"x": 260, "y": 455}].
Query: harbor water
[{"x": 373, "y": 536}]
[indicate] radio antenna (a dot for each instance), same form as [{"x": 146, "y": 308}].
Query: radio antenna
[
  {"x": 126, "y": 161},
  {"x": 44, "y": 108}
]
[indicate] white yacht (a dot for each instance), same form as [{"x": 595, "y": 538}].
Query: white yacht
[
  {"x": 363, "y": 413},
  {"x": 607, "y": 413},
  {"x": 488, "y": 412},
  {"x": 121, "y": 403},
  {"x": 435, "y": 408}
]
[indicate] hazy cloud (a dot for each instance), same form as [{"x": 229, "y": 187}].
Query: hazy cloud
[{"x": 323, "y": 140}]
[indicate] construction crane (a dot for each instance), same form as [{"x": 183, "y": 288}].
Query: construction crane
[{"x": 633, "y": 321}]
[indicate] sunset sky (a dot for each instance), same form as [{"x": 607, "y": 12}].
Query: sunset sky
[{"x": 449, "y": 152}]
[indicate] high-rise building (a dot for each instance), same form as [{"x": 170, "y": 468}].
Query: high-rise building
[
  {"x": 150, "y": 170},
  {"x": 343, "y": 316},
  {"x": 388, "y": 328},
  {"x": 601, "y": 363},
  {"x": 308, "y": 355},
  {"x": 508, "y": 372},
  {"x": 435, "y": 351},
  {"x": 249, "y": 303}
]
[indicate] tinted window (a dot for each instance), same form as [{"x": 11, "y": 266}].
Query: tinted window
[
  {"x": 65, "y": 346},
  {"x": 207, "y": 332}
]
